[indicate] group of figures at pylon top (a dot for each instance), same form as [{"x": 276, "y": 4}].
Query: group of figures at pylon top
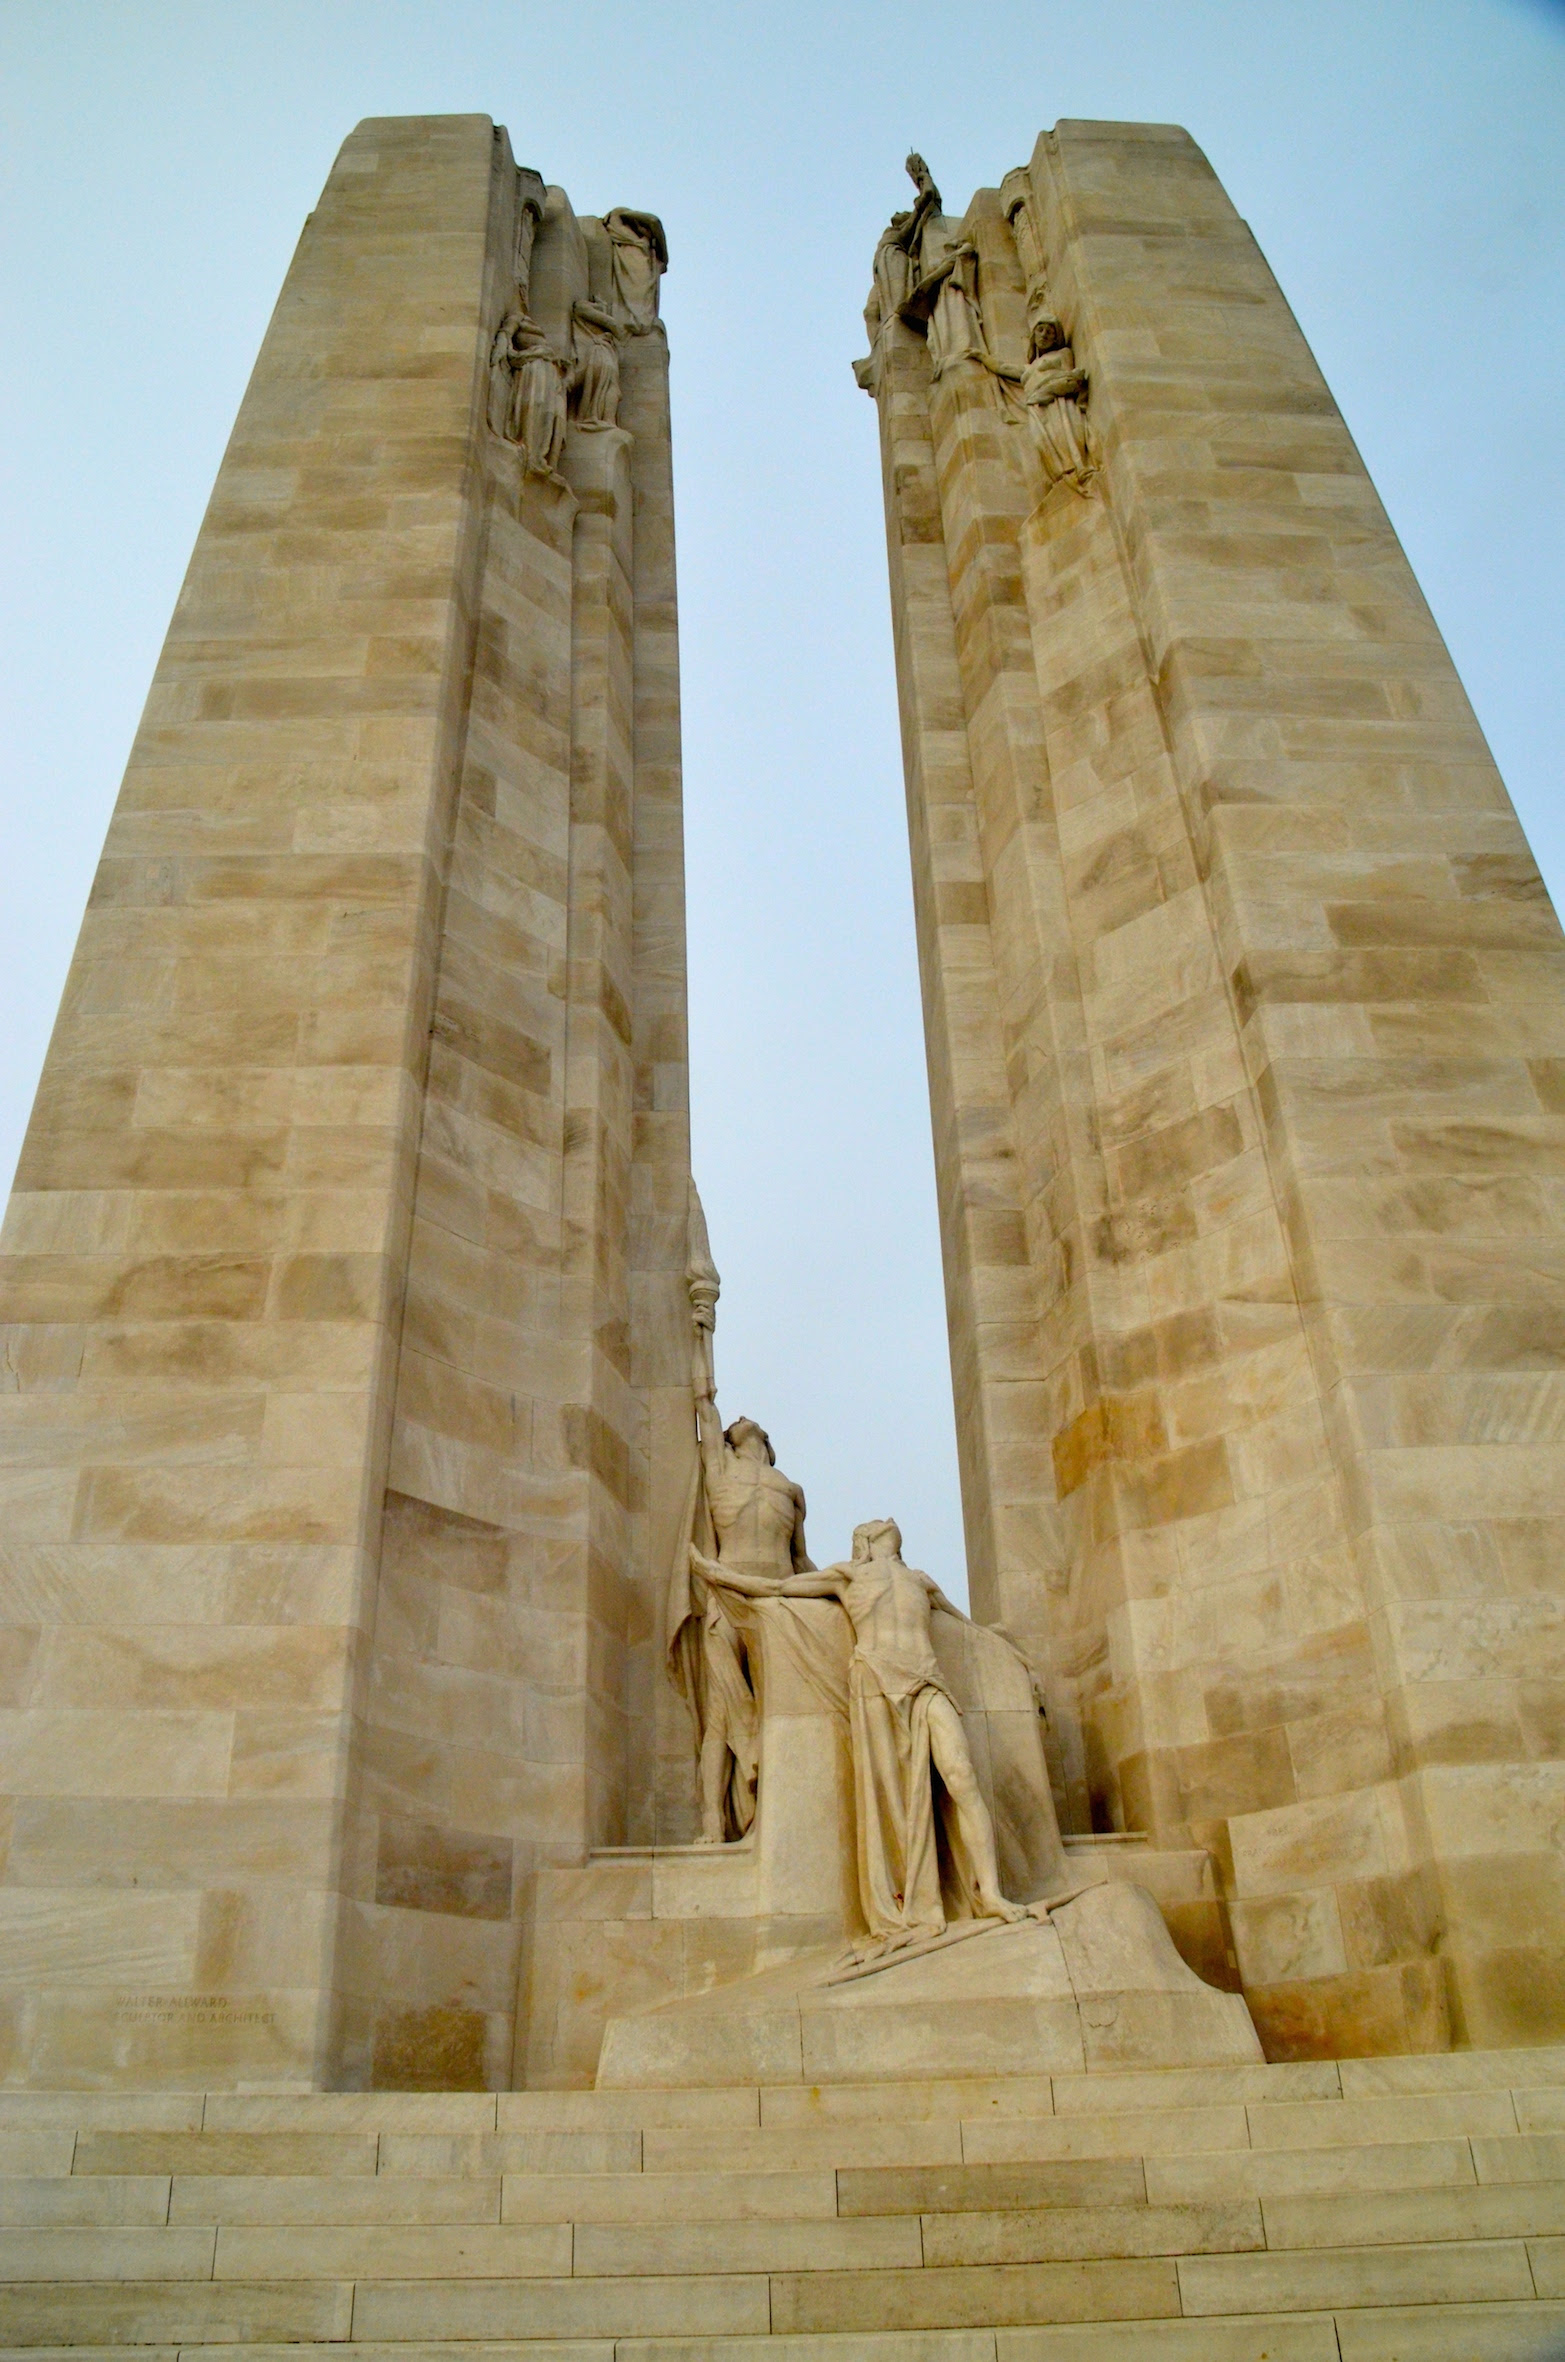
[
  {"x": 538, "y": 382},
  {"x": 926, "y": 275}
]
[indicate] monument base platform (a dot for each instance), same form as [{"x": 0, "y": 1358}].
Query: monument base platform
[
  {"x": 1093, "y": 1984},
  {"x": 637, "y": 1927}
]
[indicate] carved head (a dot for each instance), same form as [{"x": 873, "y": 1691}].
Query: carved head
[
  {"x": 749, "y": 1441},
  {"x": 923, "y": 179},
  {"x": 880, "y": 1538},
  {"x": 645, "y": 228},
  {"x": 1047, "y": 336},
  {"x": 529, "y": 341}
]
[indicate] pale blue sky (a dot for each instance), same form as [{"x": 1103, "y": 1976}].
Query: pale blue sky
[{"x": 1401, "y": 165}]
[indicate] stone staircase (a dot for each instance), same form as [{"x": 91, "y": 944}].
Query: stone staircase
[{"x": 1380, "y": 2210}]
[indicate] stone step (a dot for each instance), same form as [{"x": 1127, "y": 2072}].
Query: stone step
[
  {"x": 1494, "y": 2118},
  {"x": 1394, "y": 2207},
  {"x": 824, "y": 2182},
  {"x": 1468, "y": 2333},
  {"x": 379, "y": 2251},
  {"x": 1540, "y": 2074},
  {"x": 941, "y": 2189},
  {"x": 1260, "y": 2341},
  {"x": 662, "y": 2197},
  {"x": 1173, "y": 2341},
  {"x": 1534, "y": 2211},
  {"x": 1409, "y": 2175},
  {"x": 1410, "y": 2302}
]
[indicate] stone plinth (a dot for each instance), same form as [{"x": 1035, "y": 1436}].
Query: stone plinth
[
  {"x": 638, "y": 1929},
  {"x": 1093, "y": 1986}
]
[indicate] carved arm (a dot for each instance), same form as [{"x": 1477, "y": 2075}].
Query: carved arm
[{"x": 727, "y": 1578}]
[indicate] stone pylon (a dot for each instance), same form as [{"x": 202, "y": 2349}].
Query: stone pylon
[
  {"x": 1246, "y": 1041},
  {"x": 346, "y": 1351}
]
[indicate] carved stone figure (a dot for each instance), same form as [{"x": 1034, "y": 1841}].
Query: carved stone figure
[
  {"x": 530, "y": 198},
  {"x": 746, "y": 1518},
  {"x": 639, "y": 254},
  {"x": 893, "y": 275},
  {"x": 538, "y": 400},
  {"x": 902, "y": 264},
  {"x": 757, "y": 1519},
  {"x": 923, "y": 180},
  {"x": 1051, "y": 390},
  {"x": 594, "y": 378},
  {"x": 527, "y": 392},
  {"x": 1017, "y": 200},
  {"x": 501, "y": 373},
  {"x": 905, "y": 1726},
  {"x": 956, "y": 326},
  {"x": 927, "y": 201},
  {"x": 926, "y": 210}
]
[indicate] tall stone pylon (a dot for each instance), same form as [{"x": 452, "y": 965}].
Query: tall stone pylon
[
  {"x": 1245, "y": 1010},
  {"x": 346, "y": 1345}
]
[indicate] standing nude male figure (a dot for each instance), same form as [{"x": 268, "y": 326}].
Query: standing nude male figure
[
  {"x": 748, "y": 1513},
  {"x": 757, "y": 1518}
]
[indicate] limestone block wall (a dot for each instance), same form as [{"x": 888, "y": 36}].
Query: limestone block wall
[
  {"x": 1243, "y": 1003},
  {"x": 335, "y": 1282}
]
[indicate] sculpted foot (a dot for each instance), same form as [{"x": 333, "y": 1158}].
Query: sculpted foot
[{"x": 995, "y": 1906}]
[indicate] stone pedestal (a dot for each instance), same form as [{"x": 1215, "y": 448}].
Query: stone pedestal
[
  {"x": 1093, "y": 1986},
  {"x": 638, "y": 1928}
]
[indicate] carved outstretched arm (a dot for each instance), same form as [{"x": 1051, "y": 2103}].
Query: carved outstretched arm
[
  {"x": 938, "y": 1599},
  {"x": 727, "y": 1578},
  {"x": 709, "y": 1427}
]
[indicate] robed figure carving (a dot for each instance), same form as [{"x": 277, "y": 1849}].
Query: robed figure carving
[
  {"x": 638, "y": 257},
  {"x": 956, "y": 322},
  {"x": 899, "y": 255},
  {"x": 924, "y": 1858},
  {"x": 527, "y": 392},
  {"x": 1051, "y": 391},
  {"x": 594, "y": 374},
  {"x": 531, "y": 202},
  {"x": 746, "y": 1517}
]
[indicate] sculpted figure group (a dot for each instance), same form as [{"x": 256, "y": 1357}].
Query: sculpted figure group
[
  {"x": 927, "y": 276},
  {"x": 537, "y": 384},
  {"x": 747, "y": 1549}
]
